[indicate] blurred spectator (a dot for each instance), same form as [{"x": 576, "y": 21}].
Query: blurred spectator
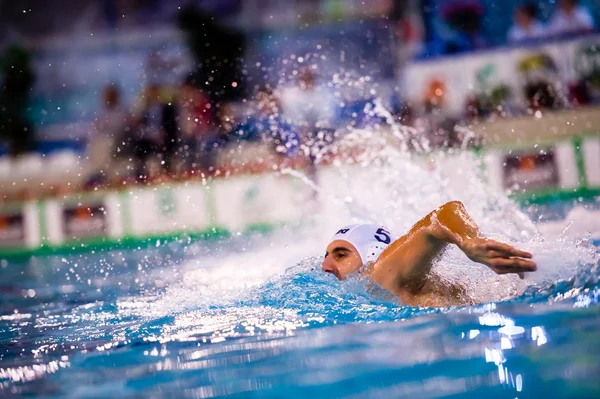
[
  {"x": 435, "y": 95},
  {"x": 196, "y": 127},
  {"x": 226, "y": 124},
  {"x": 156, "y": 132},
  {"x": 309, "y": 105},
  {"x": 526, "y": 26},
  {"x": 541, "y": 77},
  {"x": 435, "y": 123},
  {"x": 171, "y": 138},
  {"x": 571, "y": 18},
  {"x": 227, "y": 118},
  {"x": 461, "y": 30},
  {"x": 312, "y": 110},
  {"x": 270, "y": 125},
  {"x": 108, "y": 128}
]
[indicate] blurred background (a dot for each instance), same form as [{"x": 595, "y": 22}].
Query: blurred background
[
  {"x": 104, "y": 94},
  {"x": 170, "y": 171}
]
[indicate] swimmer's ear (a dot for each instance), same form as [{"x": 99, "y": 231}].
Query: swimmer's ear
[{"x": 521, "y": 276}]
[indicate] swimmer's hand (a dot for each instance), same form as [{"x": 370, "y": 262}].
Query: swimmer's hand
[{"x": 500, "y": 257}]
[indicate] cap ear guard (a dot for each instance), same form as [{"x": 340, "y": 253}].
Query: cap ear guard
[{"x": 373, "y": 252}]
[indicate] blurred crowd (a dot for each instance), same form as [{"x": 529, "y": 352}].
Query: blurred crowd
[
  {"x": 180, "y": 131},
  {"x": 542, "y": 86},
  {"x": 460, "y": 24},
  {"x": 464, "y": 25},
  {"x": 569, "y": 18}
]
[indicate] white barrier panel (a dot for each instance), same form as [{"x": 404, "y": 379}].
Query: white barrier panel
[
  {"x": 114, "y": 217},
  {"x": 567, "y": 165},
  {"x": 591, "y": 156},
  {"x": 32, "y": 224},
  {"x": 159, "y": 210},
  {"x": 494, "y": 167},
  {"x": 243, "y": 201},
  {"x": 54, "y": 228}
]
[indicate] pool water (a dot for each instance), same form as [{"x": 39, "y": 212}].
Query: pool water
[
  {"x": 69, "y": 330},
  {"x": 255, "y": 317}
]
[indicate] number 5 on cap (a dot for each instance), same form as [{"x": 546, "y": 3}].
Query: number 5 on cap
[{"x": 383, "y": 236}]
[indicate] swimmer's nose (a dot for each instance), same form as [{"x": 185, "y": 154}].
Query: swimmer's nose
[{"x": 328, "y": 267}]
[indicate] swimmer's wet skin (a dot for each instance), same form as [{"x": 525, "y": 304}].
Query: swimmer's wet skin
[{"x": 403, "y": 266}]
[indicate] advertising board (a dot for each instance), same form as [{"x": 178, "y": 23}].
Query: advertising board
[
  {"x": 81, "y": 221},
  {"x": 83, "y": 217},
  {"x": 12, "y": 229},
  {"x": 530, "y": 170},
  {"x": 504, "y": 74}
]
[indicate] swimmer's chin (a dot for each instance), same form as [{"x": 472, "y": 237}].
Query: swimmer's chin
[
  {"x": 357, "y": 275},
  {"x": 336, "y": 274}
]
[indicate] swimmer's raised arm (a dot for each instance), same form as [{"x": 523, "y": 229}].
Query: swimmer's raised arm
[{"x": 407, "y": 261}]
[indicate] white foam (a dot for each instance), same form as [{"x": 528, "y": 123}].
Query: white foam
[{"x": 579, "y": 222}]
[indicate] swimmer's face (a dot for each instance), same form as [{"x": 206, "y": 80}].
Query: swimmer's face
[{"x": 341, "y": 259}]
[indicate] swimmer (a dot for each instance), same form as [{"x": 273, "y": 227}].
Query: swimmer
[{"x": 403, "y": 266}]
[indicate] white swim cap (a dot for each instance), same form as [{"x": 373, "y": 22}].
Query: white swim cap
[{"x": 369, "y": 240}]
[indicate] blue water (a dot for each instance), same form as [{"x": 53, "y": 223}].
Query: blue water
[{"x": 157, "y": 322}]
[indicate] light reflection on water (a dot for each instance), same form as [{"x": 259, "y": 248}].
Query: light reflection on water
[
  {"x": 265, "y": 351},
  {"x": 331, "y": 358},
  {"x": 231, "y": 358}
]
